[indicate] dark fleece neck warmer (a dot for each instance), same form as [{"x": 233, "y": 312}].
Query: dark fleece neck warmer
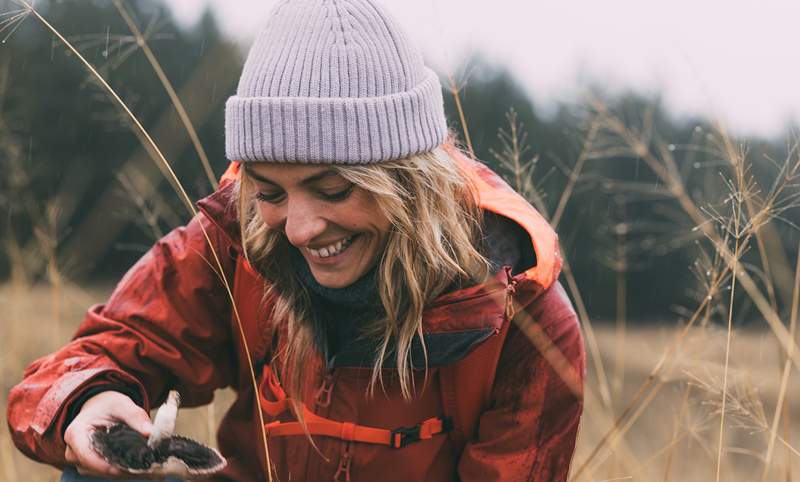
[{"x": 340, "y": 312}]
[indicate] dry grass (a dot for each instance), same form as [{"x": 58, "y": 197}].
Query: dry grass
[{"x": 676, "y": 437}]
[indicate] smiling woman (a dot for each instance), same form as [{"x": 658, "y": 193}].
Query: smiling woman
[{"x": 366, "y": 250}]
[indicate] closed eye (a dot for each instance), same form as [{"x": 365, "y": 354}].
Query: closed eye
[
  {"x": 338, "y": 196},
  {"x": 272, "y": 198},
  {"x": 278, "y": 196}
]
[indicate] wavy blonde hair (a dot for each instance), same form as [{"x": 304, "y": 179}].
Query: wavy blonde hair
[{"x": 434, "y": 242}]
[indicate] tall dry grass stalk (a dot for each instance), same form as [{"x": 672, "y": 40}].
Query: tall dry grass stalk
[
  {"x": 455, "y": 91},
  {"x": 736, "y": 201},
  {"x": 150, "y": 144}
]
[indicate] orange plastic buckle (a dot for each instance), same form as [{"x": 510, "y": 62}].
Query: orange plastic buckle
[{"x": 400, "y": 437}]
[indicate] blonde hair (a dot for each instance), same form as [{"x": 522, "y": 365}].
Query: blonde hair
[{"x": 434, "y": 242}]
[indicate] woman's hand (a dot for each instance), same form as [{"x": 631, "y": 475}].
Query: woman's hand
[{"x": 105, "y": 408}]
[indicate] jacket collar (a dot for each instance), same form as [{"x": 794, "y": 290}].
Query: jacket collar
[{"x": 498, "y": 197}]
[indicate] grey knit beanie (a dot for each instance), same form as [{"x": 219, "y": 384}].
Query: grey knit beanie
[{"x": 333, "y": 81}]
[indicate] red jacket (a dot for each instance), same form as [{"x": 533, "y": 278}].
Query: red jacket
[{"x": 168, "y": 324}]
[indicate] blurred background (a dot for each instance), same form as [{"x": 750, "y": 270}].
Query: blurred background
[{"x": 659, "y": 138}]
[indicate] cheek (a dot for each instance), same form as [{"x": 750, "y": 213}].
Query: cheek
[
  {"x": 378, "y": 221},
  {"x": 375, "y": 214},
  {"x": 382, "y": 224},
  {"x": 269, "y": 215}
]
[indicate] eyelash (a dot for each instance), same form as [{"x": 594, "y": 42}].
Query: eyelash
[{"x": 335, "y": 197}]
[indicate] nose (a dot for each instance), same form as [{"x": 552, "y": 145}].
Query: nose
[{"x": 304, "y": 222}]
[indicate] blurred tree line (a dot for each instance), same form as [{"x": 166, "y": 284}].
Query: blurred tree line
[{"x": 83, "y": 200}]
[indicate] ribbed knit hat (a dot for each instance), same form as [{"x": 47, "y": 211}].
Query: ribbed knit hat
[{"x": 333, "y": 81}]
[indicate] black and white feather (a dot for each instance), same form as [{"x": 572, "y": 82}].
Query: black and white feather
[{"x": 162, "y": 454}]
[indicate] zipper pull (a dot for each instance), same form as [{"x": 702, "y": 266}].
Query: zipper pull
[
  {"x": 324, "y": 392},
  {"x": 343, "y": 472},
  {"x": 511, "y": 288}
]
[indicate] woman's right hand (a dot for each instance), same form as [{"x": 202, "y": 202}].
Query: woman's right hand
[{"x": 103, "y": 409}]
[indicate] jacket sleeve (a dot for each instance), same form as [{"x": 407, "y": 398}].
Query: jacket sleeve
[
  {"x": 529, "y": 431},
  {"x": 164, "y": 327}
]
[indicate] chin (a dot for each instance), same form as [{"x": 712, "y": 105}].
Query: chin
[{"x": 333, "y": 281}]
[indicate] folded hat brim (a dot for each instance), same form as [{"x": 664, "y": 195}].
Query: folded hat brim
[{"x": 341, "y": 130}]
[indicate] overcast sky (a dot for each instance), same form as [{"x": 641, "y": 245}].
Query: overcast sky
[{"x": 737, "y": 60}]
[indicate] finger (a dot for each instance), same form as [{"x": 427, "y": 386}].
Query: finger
[
  {"x": 69, "y": 455},
  {"x": 136, "y": 418},
  {"x": 89, "y": 461}
]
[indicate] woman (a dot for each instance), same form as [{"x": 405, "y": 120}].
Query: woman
[{"x": 375, "y": 271}]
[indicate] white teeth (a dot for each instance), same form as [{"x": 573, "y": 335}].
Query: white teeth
[{"x": 331, "y": 250}]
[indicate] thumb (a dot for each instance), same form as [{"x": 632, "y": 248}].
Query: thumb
[{"x": 138, "y": 419}]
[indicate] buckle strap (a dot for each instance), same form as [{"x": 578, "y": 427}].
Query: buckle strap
[
  {"x": 396, "y": 438},
  {"x": 317, "y": 425},
  {"x": 400, "y": 437}
]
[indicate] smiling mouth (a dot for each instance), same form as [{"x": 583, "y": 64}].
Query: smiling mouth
[{"x": 332, "y": 250}]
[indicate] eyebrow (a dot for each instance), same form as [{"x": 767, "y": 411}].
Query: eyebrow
[{"x": 309, "y": 180}]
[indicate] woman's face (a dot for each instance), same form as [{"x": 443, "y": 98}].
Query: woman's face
[{"x": 336, "y": 225}]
